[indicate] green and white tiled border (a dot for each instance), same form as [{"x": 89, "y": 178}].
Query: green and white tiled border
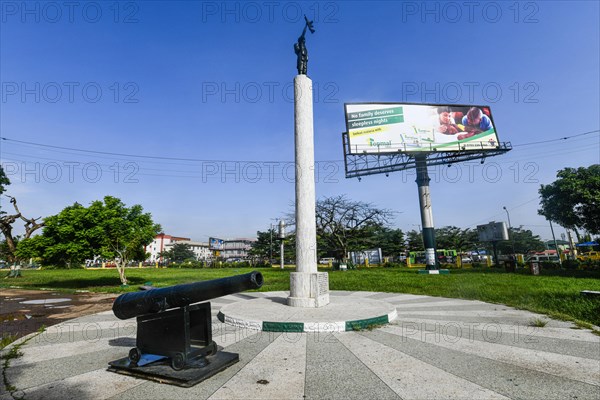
[{"x": 289, "y": 326}]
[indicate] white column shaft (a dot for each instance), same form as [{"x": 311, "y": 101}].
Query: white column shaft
[{"x": 306, "y": 237}]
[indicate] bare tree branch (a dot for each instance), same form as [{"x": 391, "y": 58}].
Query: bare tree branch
[{"x": 6, "y": 226}]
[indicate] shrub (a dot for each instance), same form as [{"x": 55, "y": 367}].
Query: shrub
[
  {"x": 570, "y": 264},
  {"x": 590, "y": 265},
  {"x": 393, "y": 265},
  {"x": 550, "y": 266}
]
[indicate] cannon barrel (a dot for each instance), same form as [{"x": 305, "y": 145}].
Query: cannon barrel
[{"x": 129, "y": 305}]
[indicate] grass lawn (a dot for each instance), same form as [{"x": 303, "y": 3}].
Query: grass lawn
[{"x": 555, "y": 293}]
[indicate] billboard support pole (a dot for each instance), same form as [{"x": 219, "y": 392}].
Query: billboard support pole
[
  {"x": 426, "y": 214},
  {"x": 495, "y": 245}
]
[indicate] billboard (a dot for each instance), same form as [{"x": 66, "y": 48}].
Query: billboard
[
  {"x": 215, "y": 244},
  {"x": 492, "y": 232},
  {"x": 375, "y": 128},
  {"x": 373, "y": 255}
]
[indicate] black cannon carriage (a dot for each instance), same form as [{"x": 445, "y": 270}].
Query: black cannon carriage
[{"x": 171, "y": 326}]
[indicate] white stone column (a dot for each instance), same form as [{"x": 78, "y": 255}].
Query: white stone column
[{"x": 308, "y": 288}]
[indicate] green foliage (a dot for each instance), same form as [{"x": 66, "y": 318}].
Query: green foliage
[
  {"x": 391, "y": 241},
  {"x": 106, "y": 228},
  {"x": 4, "y": 181},
  {"x": 538, "y": 323},
  {"x": 394, "y": 265},
  {"x": 452, "y": 237},
  {"x": 268, "y": 245},
  {"x": 573, "y": 200},
  {"x": 5, "y": 253},
  {"x": 415, "y": 241},
  {"x": 524, "y": 239},
  {"x": 180, "y": 252},
  {"x": 68, "y": 238}
]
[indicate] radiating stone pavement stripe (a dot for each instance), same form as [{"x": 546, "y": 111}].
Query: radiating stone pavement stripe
[
  {"x": 278, "y": 372},
  {"x": 523, "y": 329},
  {"x": 409, "y": 377},
  {"x": 576, "y": 368},
  {"x": 407, "y": 359}
]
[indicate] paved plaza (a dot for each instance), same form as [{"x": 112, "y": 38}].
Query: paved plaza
[{"x": 436, "y": 348}]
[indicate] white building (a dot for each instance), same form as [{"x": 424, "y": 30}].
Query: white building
[
  {"x": 159, "y": 244},
  {"x": 236, "y": 248},
  {"x": 200, "y": 249}
]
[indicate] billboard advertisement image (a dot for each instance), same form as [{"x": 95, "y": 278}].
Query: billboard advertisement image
[
  {"x": 215, "y": 244},
  {"x": 375, "y": 128}
]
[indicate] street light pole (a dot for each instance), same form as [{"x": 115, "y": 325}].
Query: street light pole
[
  {"x": 421, "y": 232},
  {"x": 512, "y": 236},
  {"x": 271, "y": 244},
  {"x": 281, "y": 237}
]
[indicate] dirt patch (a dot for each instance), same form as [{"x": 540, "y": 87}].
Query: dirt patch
[{"x": 49, "y": 308}]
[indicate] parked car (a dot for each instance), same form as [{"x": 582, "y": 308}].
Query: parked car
[
  {"x": 542, "y": 258},
  {"x": 326, "y": 260},
  {"x": 592, "y": 255},
  {"x": 466, "y": 260}
]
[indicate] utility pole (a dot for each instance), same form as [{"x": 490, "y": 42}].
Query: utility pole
[
  {"x": 512, "y": 234},
  {"x": 555, "y": 244}
]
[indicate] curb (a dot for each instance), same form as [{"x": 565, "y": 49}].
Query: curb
[{"x": 305, "y": 327}]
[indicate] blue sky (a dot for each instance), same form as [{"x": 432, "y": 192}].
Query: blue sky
[{"x": 211, "y": 82}]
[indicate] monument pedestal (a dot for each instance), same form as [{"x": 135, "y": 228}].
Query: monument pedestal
[{"x": 308, "y": 289}]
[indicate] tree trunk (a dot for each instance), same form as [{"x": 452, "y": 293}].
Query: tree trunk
[
  {"x": 10, "y": 243},
  {"x": 121, "y": 269}
]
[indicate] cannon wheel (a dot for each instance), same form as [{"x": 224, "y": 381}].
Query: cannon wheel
[
  {"x": 135, "y": 355},
  {"x": 178, "y": 362}
]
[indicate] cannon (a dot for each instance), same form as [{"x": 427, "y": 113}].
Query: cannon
[{"x": 174, "y": 335}]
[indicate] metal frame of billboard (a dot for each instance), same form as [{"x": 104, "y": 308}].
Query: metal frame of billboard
[
  {"x": 357, "y": 165},
  {"x": 492, "y": 232}
]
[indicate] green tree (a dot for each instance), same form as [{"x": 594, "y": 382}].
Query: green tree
[
  {"x": 4, "y": 181},
  {"x": 180, "y": 252},
  {"x": 524, "y": 239},
  {"x": 122, "y": 232},
  {"x": 391, "y": 241},
  {"x": 454, "y": 238},
  {"x": 264, "y": 247},
  {"x": 573, "y": 200},
  {"x": 106, "y": 228},
  {"x": 415, "y": 240},
  {"x": 68, "y": 238},
  {"x": 265, "y": 244}
]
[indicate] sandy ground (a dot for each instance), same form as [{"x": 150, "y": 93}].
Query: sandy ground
[{"x": 19, "y": 318}]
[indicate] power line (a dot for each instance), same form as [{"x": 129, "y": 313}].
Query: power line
[
  {"x": 248, "y": 161},
  {"x": 510, "y": 209},
  {"x": 556, "y": 140}
]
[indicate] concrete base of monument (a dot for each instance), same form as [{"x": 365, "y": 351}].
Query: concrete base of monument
[
  {"x": 273, "y": 314},
  {"x": 308, "y": 289}
]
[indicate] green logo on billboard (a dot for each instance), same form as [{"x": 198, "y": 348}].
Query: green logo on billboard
[{"x": 373, "y": 143}]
